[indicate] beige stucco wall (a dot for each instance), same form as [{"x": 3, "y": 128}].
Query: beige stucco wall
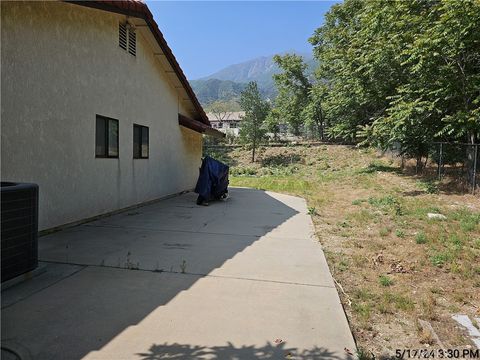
[{"x": 60, "y": 66}]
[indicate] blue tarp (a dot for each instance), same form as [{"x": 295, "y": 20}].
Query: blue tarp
[{"x": 212, "y": 182}]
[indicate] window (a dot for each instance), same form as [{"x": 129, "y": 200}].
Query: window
[
  {"x": 140, "y": 142},
  {"x": 106, "y": 137},
  {"x": 127, "y": 38}
]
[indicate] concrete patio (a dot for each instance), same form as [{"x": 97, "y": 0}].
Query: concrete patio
[{"x": 240, "y": 279}]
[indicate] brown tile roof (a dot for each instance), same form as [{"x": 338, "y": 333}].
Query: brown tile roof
[{"x": 140, "y": 10}]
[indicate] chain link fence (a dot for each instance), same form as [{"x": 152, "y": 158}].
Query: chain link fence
[{"x": 459, "y": 162}]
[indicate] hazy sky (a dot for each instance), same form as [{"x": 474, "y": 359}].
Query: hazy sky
[{"x": 206, "y": 36}]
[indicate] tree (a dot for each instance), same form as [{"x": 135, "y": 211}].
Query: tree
[
  {"x": 293, "y": 90},
  {"x": 401, "y": 73},
  {"x": 273, "y": 122},
  {"x": 314, "y": 112},
  {"x": 252, "y": 130}
]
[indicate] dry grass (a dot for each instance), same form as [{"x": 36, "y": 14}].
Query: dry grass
[{"x": 395, "y": 265}]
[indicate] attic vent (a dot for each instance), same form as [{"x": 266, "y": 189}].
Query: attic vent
[
  {"x": 132, "y": 42},
  {"x": 127, "y": 38},
  {"x": 122, "y": 36}
]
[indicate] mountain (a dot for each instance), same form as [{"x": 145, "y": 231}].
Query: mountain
[
  {"x": 227, "y": 83},
  {"x": 211, "y": 90}
]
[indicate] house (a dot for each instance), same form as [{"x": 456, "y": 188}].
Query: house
[
  {"x": 95, "y": 108},
  {"x": 227, "y": 122}
]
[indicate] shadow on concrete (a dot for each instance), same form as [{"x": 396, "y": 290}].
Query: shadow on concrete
[
  {"x": 71, "y": 316},
  {"x": 230, "y": 351}
]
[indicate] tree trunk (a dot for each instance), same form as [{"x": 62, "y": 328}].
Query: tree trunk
[
  {"x": 470, "y": 158},
  {"x": 418, "y": 165},
  {"x": 253, "y": 150},
  {"x": 321, "y": 127}
]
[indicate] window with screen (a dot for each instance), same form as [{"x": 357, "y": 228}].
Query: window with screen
[
  {"x": 106, "y": 137},
  {"x": 140, "y": 142}
]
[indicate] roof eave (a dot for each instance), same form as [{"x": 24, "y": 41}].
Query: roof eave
[{"x": 199, "y": 127}]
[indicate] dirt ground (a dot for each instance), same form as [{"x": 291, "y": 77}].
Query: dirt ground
[{"x": 401, "y": 275}]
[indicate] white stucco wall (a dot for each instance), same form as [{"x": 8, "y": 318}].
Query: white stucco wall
[{"x": 60, "y": 66}]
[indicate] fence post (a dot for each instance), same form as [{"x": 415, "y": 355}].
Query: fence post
[
  {"x": 475, "y": 169},
  {"x": 440, "y": 162}
]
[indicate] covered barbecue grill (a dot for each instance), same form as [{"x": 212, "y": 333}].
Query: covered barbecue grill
[{"x": 212, "y": 183}]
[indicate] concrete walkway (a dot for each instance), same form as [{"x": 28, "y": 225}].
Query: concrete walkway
[{"x": 240, "y": 279}]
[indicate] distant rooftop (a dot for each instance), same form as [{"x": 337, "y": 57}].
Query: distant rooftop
[{"x": 226, "y": 116}]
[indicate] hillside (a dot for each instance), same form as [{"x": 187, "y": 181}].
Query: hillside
[
  {"x": 227, "y": 83},
  {"x": 211, "y": 90}
]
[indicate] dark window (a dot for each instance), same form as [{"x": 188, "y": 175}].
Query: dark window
[
  {"x": 140, "y": 142},
  {"x": 106, "y": 137}
]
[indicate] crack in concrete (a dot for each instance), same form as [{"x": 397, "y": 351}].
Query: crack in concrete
[
  {"x": 191, "y": 231},
  {"x": 83, "y": 267},
  {"x": 190, "y": 273}
]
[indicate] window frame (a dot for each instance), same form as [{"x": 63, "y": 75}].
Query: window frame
[
  {"x": 140, "y": 143},
  {"x": 106, "y": 154}
]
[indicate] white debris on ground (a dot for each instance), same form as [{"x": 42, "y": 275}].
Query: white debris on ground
[
  {"x": 473, "y": 332},
  {"x": 436, "y": 216}
]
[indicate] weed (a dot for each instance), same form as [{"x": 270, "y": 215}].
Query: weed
[
  {"x": 439, "y": 259},
  {"x": 388, "y": 202},
  {"x": 358, "y": 202},
  {"x": 363, "y": 294},
  {"x": 363, "y": 354},
  {"x": 399, "y": 301},
  {"x": 363, "y": 216},
  {"x": 476, "y": 243},
  {"x": 400, "y": 233},
  {"x": 342, "y": 265},
  {"x": 183, "y": 266},
  {"x": 312, "y": 210},
  {"x": 385, "y": 280},
  {"x": 429, "y": 186},
  {"x": 281, "y": 160},
  {"x": 384, "y": 231},
  {"x": 364, "y": 311},
  {"x": 378, "y": 166},
  {"x": 456, "y": 241},
  {"x": 468, "y": 220},
  {"x": 344, "y": 224},
  {"x": 421, "y": 238},
  {"x": 383, "y": 201},
  {"x": 243, "y": 171}
]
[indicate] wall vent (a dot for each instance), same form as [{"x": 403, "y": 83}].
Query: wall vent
[
  {"x": 132, "y": 42},
  {"x": 127, "y": 38},
  {"x": 122, "y": 36}
]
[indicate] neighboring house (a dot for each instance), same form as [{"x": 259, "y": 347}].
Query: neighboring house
[
  {"x": 227, "y": 122},
  {"x": 94, "y": 108}
]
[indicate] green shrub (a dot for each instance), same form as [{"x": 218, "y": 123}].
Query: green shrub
[{"x": 421, "y": 238}]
